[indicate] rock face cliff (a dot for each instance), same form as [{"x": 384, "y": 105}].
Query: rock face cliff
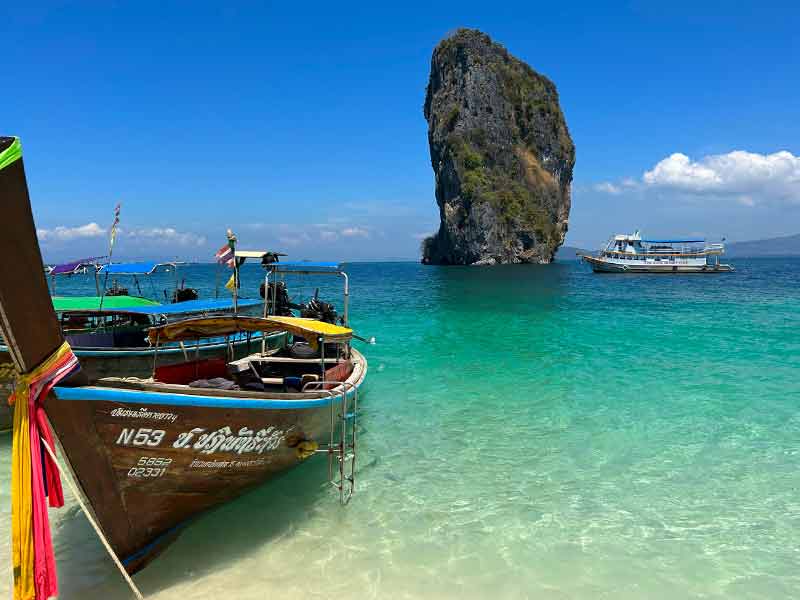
[{"x": 501, "y": 153}]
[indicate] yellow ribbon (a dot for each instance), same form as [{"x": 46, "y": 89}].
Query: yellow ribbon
[{"x": 21, "y": 494}]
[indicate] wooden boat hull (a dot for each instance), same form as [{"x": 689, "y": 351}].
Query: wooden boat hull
[
  {"x": 603, "y": 266},
  {"x": 130, "y": 362},
  {"x": 148, "y": 462}
]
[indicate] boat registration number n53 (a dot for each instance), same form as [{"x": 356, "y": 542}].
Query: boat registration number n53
[{"x": 141, "y": 437}]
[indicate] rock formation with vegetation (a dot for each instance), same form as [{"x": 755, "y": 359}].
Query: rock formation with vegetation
[{"x": 501, "y": 153}]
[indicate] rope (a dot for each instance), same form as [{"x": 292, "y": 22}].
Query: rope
[
  {"x": 8, "y": 371},
  {"x": 95, "y": 526}
]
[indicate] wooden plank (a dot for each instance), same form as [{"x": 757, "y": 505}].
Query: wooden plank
[
  {"x": 27, "y": 318},
  {"x": 299, "y": 361}
]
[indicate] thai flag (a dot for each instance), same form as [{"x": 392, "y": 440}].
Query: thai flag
[{"x": 225, "y": 255}]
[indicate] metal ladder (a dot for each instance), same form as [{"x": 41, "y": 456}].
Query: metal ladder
[{"x": 342, "y": 448}]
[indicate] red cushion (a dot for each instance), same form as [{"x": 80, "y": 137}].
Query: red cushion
[
  {"x": 338, "y": 373},
  {"x": 187, "y": 372}
]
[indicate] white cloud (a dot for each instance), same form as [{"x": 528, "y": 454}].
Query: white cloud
[
  {"x": 355, "y": 232},
  {"x": 167, "y": 235},
  {"x": 66, "y": 234},
  {"x": 747, "y": 177},
  {"x": 293, "y": 240},
  {"x": 606, "y": 187}
]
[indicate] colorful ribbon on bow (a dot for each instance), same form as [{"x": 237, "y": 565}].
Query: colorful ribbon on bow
[{"x": 34, "y": 476}]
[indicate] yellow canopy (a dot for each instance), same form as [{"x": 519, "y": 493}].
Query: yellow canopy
[{"x": 203, "y": 327}]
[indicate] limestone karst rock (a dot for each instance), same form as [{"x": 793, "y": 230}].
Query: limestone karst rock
[{"x": 501, "y": 153}]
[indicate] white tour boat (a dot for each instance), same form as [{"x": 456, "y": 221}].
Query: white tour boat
[{"x": 629, "y": 253}]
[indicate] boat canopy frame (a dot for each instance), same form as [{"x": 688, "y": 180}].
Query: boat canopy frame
[
  {"x": 315, "y": 332},
  {"x": 306, "y": 268}
]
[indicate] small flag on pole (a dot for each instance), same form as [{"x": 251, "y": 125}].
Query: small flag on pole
[
  {"x": 114, "y": 225},
  {"x": 231, "y": 285},
  {"x": 224, "y": 256}
]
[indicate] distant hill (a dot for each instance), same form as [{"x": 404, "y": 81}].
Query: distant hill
[
  {"x": 569, "y": 253},
  {"x": 780, "y": 246}
]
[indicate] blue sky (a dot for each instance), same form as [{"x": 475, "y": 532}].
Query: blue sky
[{"x": 300, "y": 126}]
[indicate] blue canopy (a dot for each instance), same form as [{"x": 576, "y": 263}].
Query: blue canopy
[
  {"x": 193, "y": 306},
  {"x": 136, "y": 268},
  {"x": 674, "y": 241}
]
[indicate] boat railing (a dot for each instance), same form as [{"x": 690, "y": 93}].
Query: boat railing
[
  {"x": 343, "y": 434},
  {"x": 678, "y": 253}
]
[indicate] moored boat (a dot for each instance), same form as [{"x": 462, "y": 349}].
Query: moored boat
[
  {"x": 148, "y": 454},
  {"x": 629, "y": 253},
  {"x": 112, "y": 339}
]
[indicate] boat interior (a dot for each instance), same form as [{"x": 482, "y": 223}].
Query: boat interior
[
  {"x": 118, "y": 329},
  {"x": 292, "y": 368},
  {"x": 105, "y": 330}
]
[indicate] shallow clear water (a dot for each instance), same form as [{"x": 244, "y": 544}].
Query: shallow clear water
[{"x": 527, "y": 432}]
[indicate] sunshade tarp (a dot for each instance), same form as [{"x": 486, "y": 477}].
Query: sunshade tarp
[
  {"x": 137, "y": 268},
  {"x": 191, "y": 329},
  {"x": 66, "y": 303},
  {"x": 71, "y": 267},
  {"x": 194, "y": 306}
]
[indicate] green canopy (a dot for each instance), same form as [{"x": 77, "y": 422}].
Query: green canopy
[{"x": 62, "y": 303}]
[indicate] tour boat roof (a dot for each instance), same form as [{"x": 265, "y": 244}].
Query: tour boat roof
[
  {"x": 135, "y": 268},
  {"x": 203, "y": 327},
  {"x": 674, "y": 241}
]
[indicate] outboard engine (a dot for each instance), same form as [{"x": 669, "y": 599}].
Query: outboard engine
[
  {"x": 183, "y": 294},
  {"x": 319, "y": 310},
  {"x": 283, "y": 306},
  {"x": 117, "y": 290}
]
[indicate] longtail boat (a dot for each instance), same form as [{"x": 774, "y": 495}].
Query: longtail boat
[
  {"x": 149, "y": 454},
  {"x": 109, "y": 335}
]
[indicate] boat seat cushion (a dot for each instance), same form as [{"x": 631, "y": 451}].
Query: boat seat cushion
[
  {"x": 338, "y": 373},
  {"x": 186, "y": 372}
]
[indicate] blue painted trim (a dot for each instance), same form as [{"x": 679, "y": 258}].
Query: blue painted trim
[
  {"x": 103, "y": 394},
  {"x": 122, "y": 353},
  {"x": 163, "y": 350}
]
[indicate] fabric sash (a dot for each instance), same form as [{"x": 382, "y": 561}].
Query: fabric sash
[{"x": 34, "y": 476}]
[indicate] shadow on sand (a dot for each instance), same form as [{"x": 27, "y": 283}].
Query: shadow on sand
[{"x": 211, "y": 542}]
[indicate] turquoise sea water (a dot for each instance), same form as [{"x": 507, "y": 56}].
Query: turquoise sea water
[{"x": 526, "y": 432}]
